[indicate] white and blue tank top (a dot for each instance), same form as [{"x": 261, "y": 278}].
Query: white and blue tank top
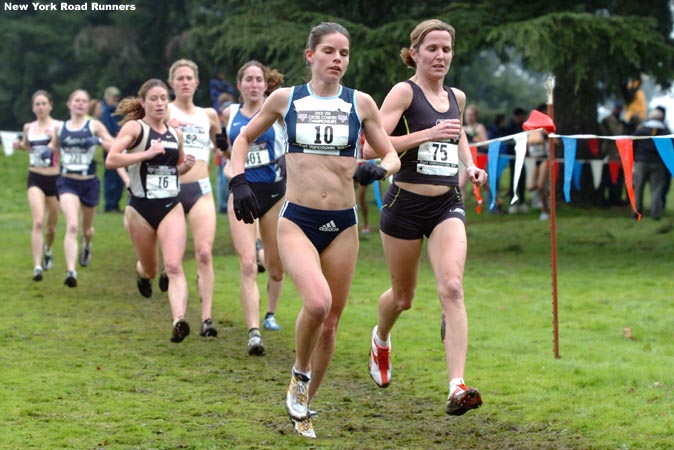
[
  {"x": 40, "y": 155},
  {"x": 323, "y": 125}
]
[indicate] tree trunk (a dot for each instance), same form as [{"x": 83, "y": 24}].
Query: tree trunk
[{"x": 575, "y": 111}]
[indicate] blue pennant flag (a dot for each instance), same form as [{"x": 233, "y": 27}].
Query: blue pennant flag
[
  {"x": 666, "y": 150},
  {"x": 569, "y": 160}
]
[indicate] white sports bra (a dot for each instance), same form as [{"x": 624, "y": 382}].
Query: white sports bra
[{"x": 196, "y": 132}]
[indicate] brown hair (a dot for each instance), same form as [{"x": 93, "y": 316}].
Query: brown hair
[
  {"x": 131, "y": 108},
  {"x": 272, "y": 77},
  {"x": 274, "y": 81},
  {"x": 316, "y": 36},
  {"x": 418, "y": 35},
  {"x": 323, "y": 29},
  {"x": 41, "y": 92}
]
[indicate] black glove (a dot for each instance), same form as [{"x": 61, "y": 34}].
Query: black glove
[
  {"x": 91, "y": 141},
  {"x": 46, "y": 154},
  {"x": 221, "y": 140},
  {"x": 369, "y": 173},
  {"x": 246, "y": 207}
]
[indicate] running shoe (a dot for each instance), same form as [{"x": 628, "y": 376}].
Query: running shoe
[
  {"x": 163, "y": 281},
  {"x": 46, "y": 260},
  {"x": 297, "y": 397},
  {"x": 207, "y": 329},
  {"x": 144, "y": 286},
  {"x": 462, "y": 400},
  {"x": 180, "y": 330},
  {"x": 304, "y": 428},
  {"x": 37, "y": 274},
  {"x": 271, "y": 324},
  {"x": 85, "y": 256},
  {"x": 380, "y": 362},
  {"x": 255, "y": 344},
  {"x": 71, "y": 279},
  {"x": 260, "y": 265}
]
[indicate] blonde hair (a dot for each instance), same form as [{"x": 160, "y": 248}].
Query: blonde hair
[
  {"x": 418, "y": 35},
  {"x": 77, "y": 91},
  {"x": 183, "y": 63},
  {"x": 131, "y": 108}
]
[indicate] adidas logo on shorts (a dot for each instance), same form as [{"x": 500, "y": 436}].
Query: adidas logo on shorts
[{"x": 330, "y": 226}]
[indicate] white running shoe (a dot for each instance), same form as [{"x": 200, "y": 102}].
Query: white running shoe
[
  {"x": 297, "y": 397},
  {"x": 380, "y": 362},
  {"x": 255, "y": 345},
  {"x": 271, "y": 324},
  {"x": 462, "y": 400},
  {"x": 304, "y": 428}
]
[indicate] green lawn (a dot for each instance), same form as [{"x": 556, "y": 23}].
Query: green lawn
[{"x": 93, "y": 367}]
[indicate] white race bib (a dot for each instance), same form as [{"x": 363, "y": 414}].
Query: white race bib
[
  {"x": 257, "y": 157},
  {"x": 76, "y": 161},
  {"x": 438, "y": 158},
  {"x": 161, "y": 182}
]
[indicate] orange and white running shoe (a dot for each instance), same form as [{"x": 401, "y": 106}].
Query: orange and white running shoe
[
  {"x": 462, "y": 400},
  {"x": 380, "y": 362}
]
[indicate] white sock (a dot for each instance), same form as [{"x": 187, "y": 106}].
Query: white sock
[
  {"x": 379, "y": 342},
  {"x": 454, "y": 383}
]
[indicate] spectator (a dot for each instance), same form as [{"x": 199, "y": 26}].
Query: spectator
[
  {"x": 219, "y": 85},
  {"x": 113, "y": 184},
  {"x": 648, "y": 165},
  {"x": 538, "y": 148},
  {"x": 514, "y": 127},
  {"x": 497, "y": 129},
  {"x": 612, "y": 125}
]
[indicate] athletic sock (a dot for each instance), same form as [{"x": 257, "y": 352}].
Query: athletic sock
[
  {"x": 379, "y": 342},
  {"x": 454, "y": 383}
]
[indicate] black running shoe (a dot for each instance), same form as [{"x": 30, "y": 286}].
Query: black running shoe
[
  {"x": 85, "y": 256},
  {"x": 163, "y": 281},
  {"x": 180, "y": 330},
  {"x": 37, "y": 274},
  {"x": 144, "y": 286},
  {"x": 258, "y": 248},
  {"x": 207, "y": 329},
  {"x": 46, "y": 261},
  {"x": 71, "y": 279}
]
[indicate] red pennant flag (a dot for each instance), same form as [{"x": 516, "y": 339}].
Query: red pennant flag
[
  {"x": 539, "y": 120},
  {"x": 614, "y": 171},
  {"x": 476, "y": 188},
  {"x": 627, "y": 157},
  {"x": 593, "y": 146}
]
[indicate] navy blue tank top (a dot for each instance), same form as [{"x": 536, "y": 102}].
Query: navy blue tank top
[
  {"x": 431, "y": 162},
  {"x": 78, "y": 148},
  {"x": 323, "y": 125}
]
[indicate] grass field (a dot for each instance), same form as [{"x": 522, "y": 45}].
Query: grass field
[{"x": 93, "y": 367}]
